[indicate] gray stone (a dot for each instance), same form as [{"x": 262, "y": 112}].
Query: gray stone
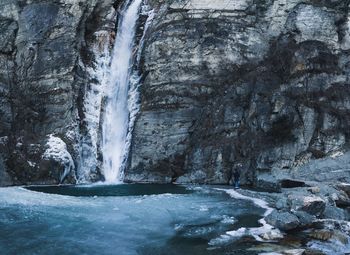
[
  {"x": 43, "y": 54},
  {"x": 344, "y": 187},
  {"x": 313, "y": 205},
  {"x": 310, "y": 251},
  {"x": 8, "y": 30},
  {"x": 281, "y": 203},
  {"x": 305, "y": 218},
  {"x": 258, "y": 82},
  {"x": 332, "y": 212},
  {"x": 283, "y": 220},
  {"x": 262, "y": 82}
]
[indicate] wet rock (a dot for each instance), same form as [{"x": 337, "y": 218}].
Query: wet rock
[
  {"x": 341, "y": 237},
  {"x": 332, "y": 212},
  {"x": 268, "y": 183},
  {"x": 283, "y": 220},
  {"x": 340, "y": 199},
  {"x": 310, "y": 251},
  {"x": 281, "y": 203},
  {"x": 285, "y": 252},
  {"x": 272, "y": 235},
  {"x": 305, "y": 218},
  {"x": 293, "y": 252},
  {"x": 289, "y": 183},
  {"x": 326, "y": 235},
  {"x": 314, "y": 190},
  {"x": 336, "y": 231},
  {"x": 344, "y": 187},
  {"x": 323, "y": 235},
  {"x": 313, "y": 205}
]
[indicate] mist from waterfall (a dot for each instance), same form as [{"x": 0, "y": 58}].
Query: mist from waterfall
[{"x": 116, "y": 116}]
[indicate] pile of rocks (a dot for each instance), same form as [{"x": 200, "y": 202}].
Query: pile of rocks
[{"x": 317, "y": 212}]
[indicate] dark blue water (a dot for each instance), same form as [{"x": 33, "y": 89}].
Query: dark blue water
[
  {"x": 112, "y": 190},
  {"x": 122, "y": 219}
]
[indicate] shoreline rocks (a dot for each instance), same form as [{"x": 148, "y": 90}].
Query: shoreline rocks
[{"x": 312, "y": 213}]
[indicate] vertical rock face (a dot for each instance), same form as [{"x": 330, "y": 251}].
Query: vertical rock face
[
  {"x": 45, "y": 52},
  {"x": 265, "y": 83},
  {"x": 261, "y": 82}
]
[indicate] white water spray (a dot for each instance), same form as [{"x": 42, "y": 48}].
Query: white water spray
[{"x": 116, "y": 119}]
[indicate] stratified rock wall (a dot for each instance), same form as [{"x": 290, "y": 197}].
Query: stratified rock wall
[
  {"x": 265, "y": 83},
  {"x": 45, "y": 51},
  {"x": 261, "y": 82}
]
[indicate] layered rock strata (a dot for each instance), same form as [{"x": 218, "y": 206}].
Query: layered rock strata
[
  {"x": 46, "y": 49},
  {"x": 265, "y": 83}
]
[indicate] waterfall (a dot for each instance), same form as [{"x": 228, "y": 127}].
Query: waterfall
[{"x": 116, "y": 116}]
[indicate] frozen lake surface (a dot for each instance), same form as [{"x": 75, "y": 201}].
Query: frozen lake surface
[{"x": 122, "y": 220}]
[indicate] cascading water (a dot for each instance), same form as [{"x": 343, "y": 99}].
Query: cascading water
[{"x": 116, "y": 117}]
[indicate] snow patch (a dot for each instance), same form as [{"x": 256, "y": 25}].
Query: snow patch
[
  {"x": 263, "y": 233},
  {"x": 259, "y": 202},
  {"x": 31, "y": 164},
  {"x": 57, "y": 151},
  {"x": 337, "y": 154}
]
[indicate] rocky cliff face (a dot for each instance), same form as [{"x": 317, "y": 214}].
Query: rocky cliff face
[
  {"x": 261, "y": 82},
  {"x": 46, "y": 49},
  {"x": 265, "y": 83}
]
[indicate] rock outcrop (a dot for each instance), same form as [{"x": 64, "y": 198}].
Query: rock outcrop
[
  {"x": 265, "y": 83},
  {"x": 45, "y": 53},
  {"x": 261, "y": 82},
  {"x": 308, "y": 222}
]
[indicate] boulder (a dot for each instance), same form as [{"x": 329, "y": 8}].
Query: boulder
[
  {"x": 310, "y": 251},
  {"x": 344, "y": 187},
  {"x": 313, "y": 205},
  {"x": 283, "y": 220},
  {"x": 281, "y": 203},
  {"x": 293, "y": 252},
  {"x": 332, "y": 212},
  {"x": 327, "y": 235},
  {"x": 342, "y": 201},
  {"x": 304, "y": 218},
  {"x": 273, "y": 234},
  {"x": 323, "y": 235}
]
